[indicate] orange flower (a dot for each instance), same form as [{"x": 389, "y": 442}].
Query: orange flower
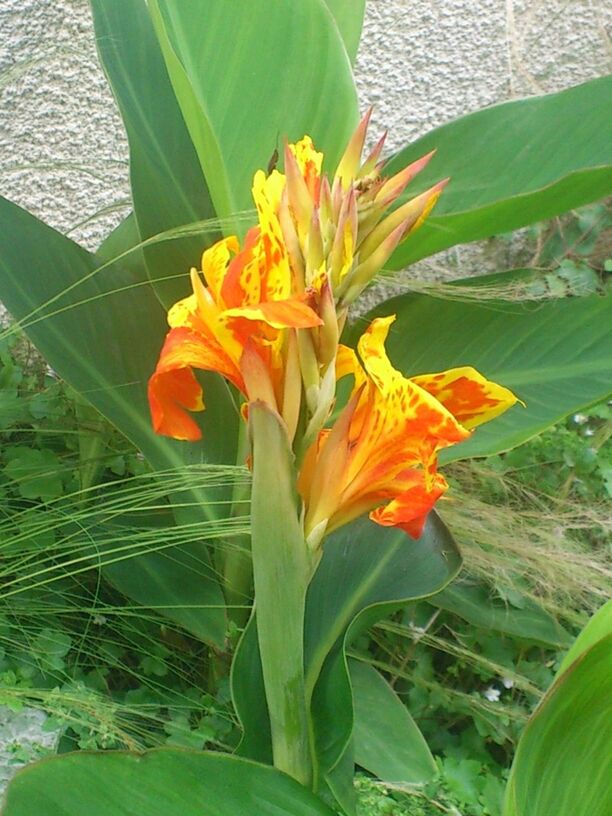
[
  {"x": 381, "y": 454},
  {"x": 245, "y": 304},
  {"x": 317, "y": 245}
]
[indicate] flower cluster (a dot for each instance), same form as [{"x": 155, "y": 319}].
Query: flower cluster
[{"x": 268, "y": 317}]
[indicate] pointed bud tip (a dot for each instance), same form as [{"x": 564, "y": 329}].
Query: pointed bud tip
[{"x": 440, "y": 185}]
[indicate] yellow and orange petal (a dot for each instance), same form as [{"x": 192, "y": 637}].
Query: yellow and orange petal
[
  {"x": 173, "y": 389},
  {"x": 400, "y": 408},
  {"x": 469, "y": 396},
  {"x": 171, "y": 395},
  {"x": 309, "y": 161},
  {"x": 215, "y": 262},
  {"x": 383, "y": 448},
  {"x": 409, "y": 509}
]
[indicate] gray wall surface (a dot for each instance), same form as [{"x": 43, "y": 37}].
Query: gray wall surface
[{"x": 63, "y": 154}]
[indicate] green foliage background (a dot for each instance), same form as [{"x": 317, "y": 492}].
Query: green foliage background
[{"x": 111, "y": 674}]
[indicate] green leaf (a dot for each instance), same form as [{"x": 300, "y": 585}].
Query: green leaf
[
  {"x": 168, "y": 188},
  {"x": 475, "y": 604},
  {"x": 166, "y": 782},
  {"x": 366, "y": 573},
  {"x": 511, "y": 165},
  {"x": 597, "y": 628},
  {"x": 101, "y": 329},
  {"x": 36, "y": 471},
  {"x": 461, "y": 779},
  {"x": 123, "y": 240},
  {"x": 339, "y": 783},
  {"x": 249, "y": 76},
  {"x": 50, "y": 648},
  {"x": 349, "y": 19},
  {"x": 387, "y": 741},
  {"x": 178, "y": 582},
  {"x": 561, "y": 767},
  {"x": 555, "y": 355}
]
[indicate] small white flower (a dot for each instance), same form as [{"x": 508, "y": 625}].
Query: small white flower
[
  {"x": 99, "y": 620},
  {"x": 589, "y": 431},
  {"x": 507, "y": 682},
  {"x": 492, "y": 694},
  {"x": 580, "y": 419}
]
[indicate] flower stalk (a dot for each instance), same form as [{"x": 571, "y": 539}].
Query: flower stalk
[
  {"x": 268, "y": 316},
  {"x": 282, "y": 570}
]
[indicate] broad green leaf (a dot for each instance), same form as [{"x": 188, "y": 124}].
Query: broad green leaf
[
  {"x": 366, "y": 573},
  {"x": 387, "y": 741},
  {"x": 249, "y": 696},
  {"x": 365, "y": 568},
  {"x": 123, "y": 241},
  {"x": 562, "y": 763},
  {"x": 178, "y": 582},
  {"x": 511, "y": 165},
  {"x": 101, "y": 329},
  {"x": 349, "y": 19},
  {"x": 168, "y": 188},
  {"x": 555, "y": 355},
  {"x": 339, "y": 783},
  {"x": 165, "y": 782},
  {"x": 475, "y": 604},
  {"x": 249, "y": 76},
  {"x": 597, "y": 628}
]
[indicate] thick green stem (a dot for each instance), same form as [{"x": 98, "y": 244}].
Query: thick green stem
[{"x": 282, "y": 570}]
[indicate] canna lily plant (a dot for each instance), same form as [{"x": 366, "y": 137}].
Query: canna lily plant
[
  {"x": 233, "y": 343},
  {"x": 268, "y": 317}
]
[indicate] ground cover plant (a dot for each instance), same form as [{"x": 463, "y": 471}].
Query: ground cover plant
[{"x": 224, "y": 623}]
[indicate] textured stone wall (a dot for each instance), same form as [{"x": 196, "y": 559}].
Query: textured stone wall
[{"x": 63, "y": 154}]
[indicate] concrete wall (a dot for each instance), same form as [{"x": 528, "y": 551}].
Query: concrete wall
[{"x": 63, "y": 154}]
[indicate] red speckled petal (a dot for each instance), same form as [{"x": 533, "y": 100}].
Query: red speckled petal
[{"x": 469, "y": 396}]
